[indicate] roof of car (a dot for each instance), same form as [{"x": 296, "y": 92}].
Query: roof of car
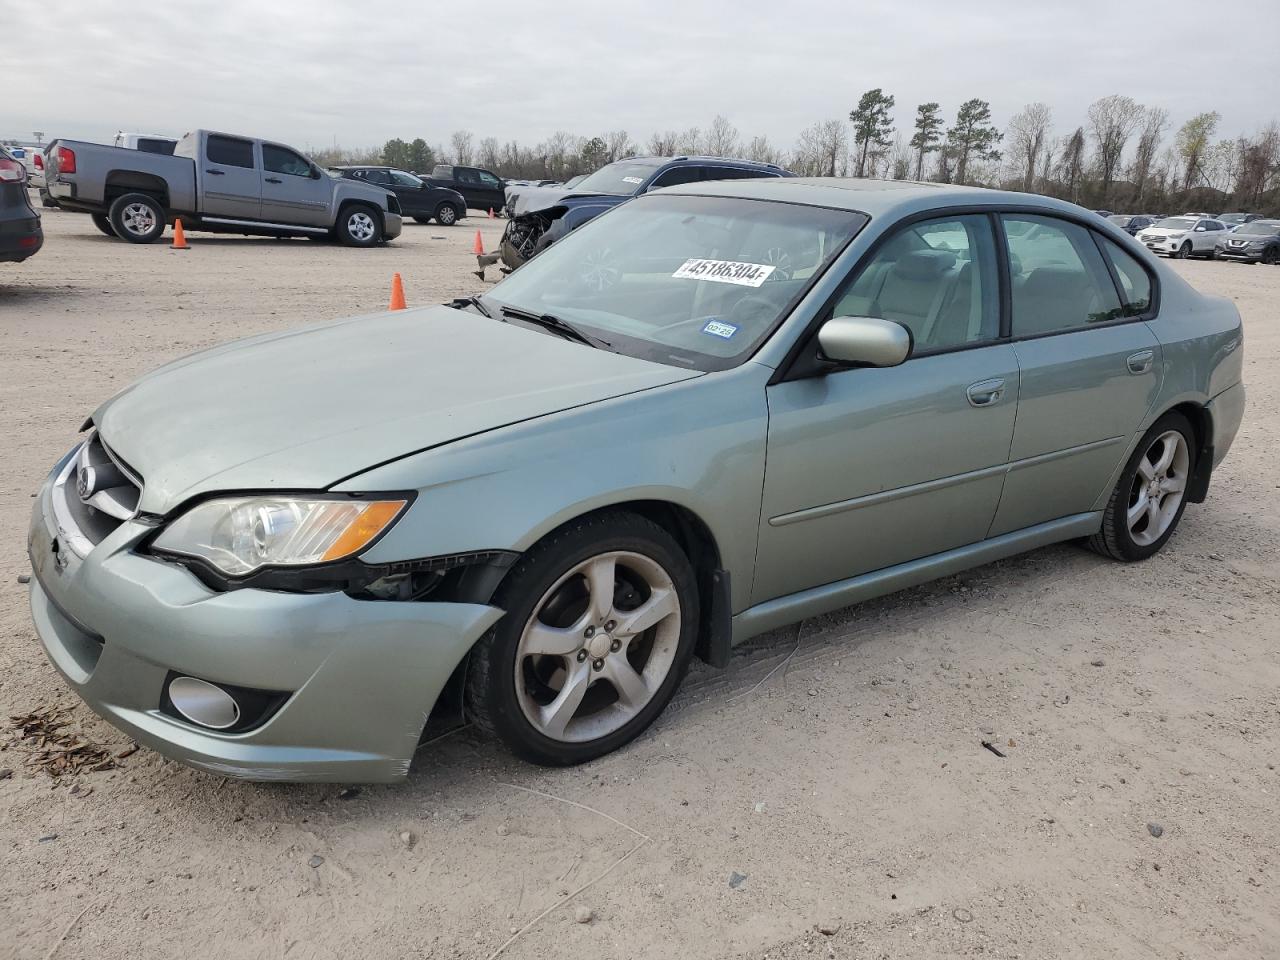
[
  {"x": 362, "y": 166},
  {"x": 872, "y": 197}
]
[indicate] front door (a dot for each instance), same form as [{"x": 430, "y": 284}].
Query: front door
[
  {"x": 1090, "y": 368},
  {"x": 293, "y": 191},
  {"x": 411, "y": 192},
  {"x": 868, "y": 468},
  {"x": 230, "y": 179}
]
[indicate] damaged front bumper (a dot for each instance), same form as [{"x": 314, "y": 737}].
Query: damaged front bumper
[{"x": 355, "y": 679}]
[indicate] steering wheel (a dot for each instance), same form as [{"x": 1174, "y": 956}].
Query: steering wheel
[{"x": 748, "y": 307}]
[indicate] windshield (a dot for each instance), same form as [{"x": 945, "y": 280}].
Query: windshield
[
  {"x": 1176, "y": 223},
  {"x": 1259, "y": 228},
  {"x": 1233, "y": 217},
  {"x": 689, "y": 281},
  {"x": 622, "y": 179}
]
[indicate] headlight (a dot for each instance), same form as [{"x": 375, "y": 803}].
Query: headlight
[{"x": 238, "y": 535}]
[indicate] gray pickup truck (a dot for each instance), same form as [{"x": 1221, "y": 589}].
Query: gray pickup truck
[{"x": 220, "y": 183}]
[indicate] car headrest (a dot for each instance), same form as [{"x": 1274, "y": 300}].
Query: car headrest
[{"x": 924, "y": 264}]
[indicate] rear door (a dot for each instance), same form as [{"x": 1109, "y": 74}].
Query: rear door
[
  {"x": 492, "y": 194},
  {"x": 1204, "y": 240},
  {"x": 230, "y": 178},
  {"x": 293, "y": 191},
  {"x": 1090, "y": 368}
]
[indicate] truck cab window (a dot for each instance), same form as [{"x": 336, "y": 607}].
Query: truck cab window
[
  {"x": 230, "y": 152},
  {"x": 279, "y": 160}
]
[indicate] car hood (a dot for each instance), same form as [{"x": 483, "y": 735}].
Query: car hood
[
  {"x": 304, "y": 409},
  {"x": 533, "y": 199},
  {"x": 1163, "y": 231}
]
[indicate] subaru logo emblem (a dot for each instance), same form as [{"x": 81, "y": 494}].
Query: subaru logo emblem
[{"x": 85, "y": 483}]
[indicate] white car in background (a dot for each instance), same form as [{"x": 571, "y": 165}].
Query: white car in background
[
  {"x": 33, "y": 160},
  {"x": 1183, "y": 237}
]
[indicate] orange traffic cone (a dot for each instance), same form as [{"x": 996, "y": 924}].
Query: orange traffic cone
[
  {"x": 491, "y": 213},
  {"x": 478, "y": 247},
  {"x": 179, "y": 238},
  {"x": 397, "y": 293}
]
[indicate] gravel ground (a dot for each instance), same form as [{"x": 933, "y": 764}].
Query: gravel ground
[{"x": 828, "y": 794}]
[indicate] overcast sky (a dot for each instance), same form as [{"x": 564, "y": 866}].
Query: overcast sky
[{"x": 358, "y": 74}]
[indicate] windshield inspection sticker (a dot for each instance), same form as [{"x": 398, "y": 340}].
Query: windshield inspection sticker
[
  {"x": 725, "y": 271},
  {"x": 718, "y": 328}
]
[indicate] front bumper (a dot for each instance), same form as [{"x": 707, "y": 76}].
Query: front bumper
[
  {"x": 360, "y": 676},
  {"x": 1243, "y": 254},
  {"x": 1164, "y": 245},
  {"x": 392, "y": 224}
]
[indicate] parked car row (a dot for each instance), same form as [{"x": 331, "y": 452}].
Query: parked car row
[{"x": 1195, "y": 235}]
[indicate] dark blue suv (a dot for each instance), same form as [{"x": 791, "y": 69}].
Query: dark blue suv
[{"x": 542, "y": 215}]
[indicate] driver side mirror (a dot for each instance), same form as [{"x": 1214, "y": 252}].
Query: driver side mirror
[
  {"x": 864, "y": 341},
  {"x": 1201, "y": 229}
]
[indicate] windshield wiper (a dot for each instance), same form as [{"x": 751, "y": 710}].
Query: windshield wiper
[
  {"x": 556, "y": 325},
  {"x": 461, "y": 303}
]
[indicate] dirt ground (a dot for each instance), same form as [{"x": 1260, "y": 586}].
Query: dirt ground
[{"x": 832, "y": 777}]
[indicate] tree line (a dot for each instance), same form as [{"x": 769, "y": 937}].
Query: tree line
[{"x": 1123, "y": 157}]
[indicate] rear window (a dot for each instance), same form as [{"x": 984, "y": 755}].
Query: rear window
[
  {"x": 1135, "y": 282},
  {"x": 230, "y": 152},
  {"x": 156, "y": 145}
]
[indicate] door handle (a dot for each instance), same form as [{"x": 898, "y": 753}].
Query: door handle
[
  {"x": 1141, "y": 361},
  {"x": 984, "y": 393},
  {"x": 216, "y": 173},
  {"x": 274, "y": 180}
]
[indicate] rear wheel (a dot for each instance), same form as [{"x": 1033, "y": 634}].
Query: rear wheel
[
  {"x": 101, "y": 221},
  {"x": 1271, "y": 256},
  {"x": 446, "y": 215},
  {"x": 422, "y": 219},
  {"x": 1149, "y": 498},
  {"x": 359, "y": 226},
  {"x": 137, "y": 218},
  {"x": 599, "y": 630}
]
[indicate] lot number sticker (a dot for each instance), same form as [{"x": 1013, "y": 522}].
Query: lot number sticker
[{"x": 725, "y": 271}]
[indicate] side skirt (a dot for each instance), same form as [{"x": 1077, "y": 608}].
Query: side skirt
[{"x": 819, "y": 600}]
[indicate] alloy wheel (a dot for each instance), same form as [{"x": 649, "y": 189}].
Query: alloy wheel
[
  {"x": 447, "y": 216},
  {"x": 138, "y": 218},
  {"x": 1159, "y": 485},
  {"x": 361, "y": 227},
  {"x": 598, "y": 646}
]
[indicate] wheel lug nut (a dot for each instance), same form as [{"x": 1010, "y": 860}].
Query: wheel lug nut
[
  {"x": 608, "y": 627},
  {"x": 615, "y": 646},
  {"x": 582, "y": 655},
  {"x": 589, "y": 632},
  {"x": 598, "y": 664}
]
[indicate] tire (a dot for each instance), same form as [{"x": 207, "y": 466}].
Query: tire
[
  {"x": 1151, "y": 528},
  {"x": 1271, "y": 256},
  {"x": 359, "y": 226},
  {"x": 137, "y": 218},
  {"x": 585, "y": 644},
  {"x": 1184, "y": 251},
  {"x": 101, "y": 221},
  {"x": 422, "y": 219},
  {"x": 447, "y": 215}
]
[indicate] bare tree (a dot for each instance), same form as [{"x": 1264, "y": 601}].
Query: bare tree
[
  {"x": 761, "y": 151},
  {"x": 689, "y": 141},
  {"x": 663, "y": 144},
  {"x": 821, "y": 149},
  {"x": 1071, "y": 164},
  {"x": 1112, "y": 121},
  {"x": 899, "y": 163},
  {"x": 618, "y": 145},
  {"x": 722, "y": 139},
  {"x": 489, "y": 155},
  {"x": 1028, "y": 135},
  {"x": 1153, "y": 126},
  {"x": 460, "y": 142},
  {"x": 1259, "y": 165}
]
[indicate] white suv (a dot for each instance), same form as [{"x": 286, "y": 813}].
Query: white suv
[{"x": 1182, "y": 237}]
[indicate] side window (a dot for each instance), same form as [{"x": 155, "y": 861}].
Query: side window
[
  {"x": 466, "y": 175},
  {"x": 1212, "y": 225},
  {"x": 677, "y": 175},
  {"x": 735, "y": 173},
  {"x": 378, "y": 176},
  {"x": 280, "y": 160},
  {"x": 230, "y": 152},
  {"x": 938, "y": 278},
  {"x": 489, "y": 180},
  {"x": 401, "y": 179},
  {"x": 1059, "y": 281},
  {"x": 1134, "y": 279}
]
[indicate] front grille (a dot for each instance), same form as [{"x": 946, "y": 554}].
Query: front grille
[{"x": 94, "y": 494}]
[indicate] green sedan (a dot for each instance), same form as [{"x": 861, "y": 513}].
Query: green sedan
[{"x": 716, "y": 409}]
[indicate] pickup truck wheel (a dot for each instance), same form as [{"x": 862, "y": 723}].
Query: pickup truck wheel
[
  {"x": 102, "y": 223},
  {"x": 137, "y": 218},
  {"x": 446, "y": 215},
  {"x": 358, "y": 226}
]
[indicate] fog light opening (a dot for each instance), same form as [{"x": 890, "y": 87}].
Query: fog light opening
[{"x": 204, "y": 703}]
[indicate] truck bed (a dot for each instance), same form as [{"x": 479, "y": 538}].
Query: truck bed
[{"x": 101, "y": 171}]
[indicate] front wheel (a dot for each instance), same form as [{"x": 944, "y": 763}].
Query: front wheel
[
  {"x": 446, "y": 215},
  {"x": 1184, "y": 251},
  {"x": 601, "y": 620},
  {"x": 359, "y": 226},
  {"x": 1149, "y": 498},
  {"x": 137, "y": 218},
  {"x": 101, "y": 221}
]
